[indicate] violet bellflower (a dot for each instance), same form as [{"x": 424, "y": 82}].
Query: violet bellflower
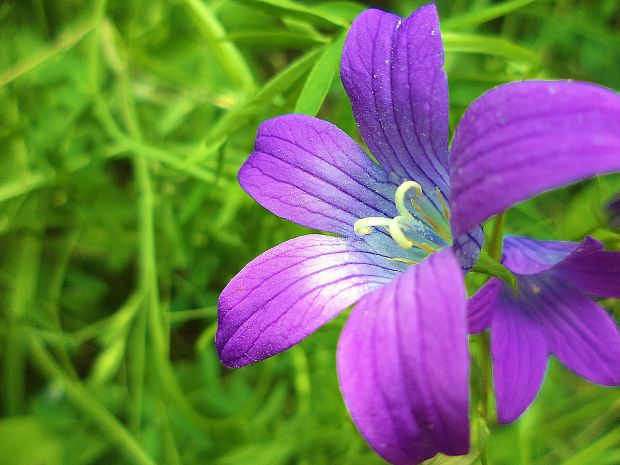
[
  {"x": 408, "y": 225},
  {"x": 550, "y": 314}
]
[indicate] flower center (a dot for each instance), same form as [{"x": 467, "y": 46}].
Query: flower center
[{"x": 420, "y": 222}]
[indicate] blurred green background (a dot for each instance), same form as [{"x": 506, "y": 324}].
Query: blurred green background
[{"x": 122, "y": 127}]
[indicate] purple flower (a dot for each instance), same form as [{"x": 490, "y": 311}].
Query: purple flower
[
  {"x": 408, "y": 225},
  {"x": 550, "y": 314}
]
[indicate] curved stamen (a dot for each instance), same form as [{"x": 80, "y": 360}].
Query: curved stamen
[
  {"x": 401, "y": 192},
  {"x": 364, "y": 226},
  {"x": 398, "y": 235},
  {"x": 406, "y": 219}
]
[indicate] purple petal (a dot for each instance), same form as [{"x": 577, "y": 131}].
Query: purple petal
[
  {"x": 392, "y": 70},
  {"x": 308, "y": 171},
  {"x": 578, "y": 332},
  {"x": 290, "y": 291},
  {"x": 466, "y": 247},
  {"x": 549, "y": 314},
  {"x": 592, "y": 269},
  {"x": 480, "y": 306},
  {"x": 526, "y": 256},
  {"x": 523, "y": 138},
  {"x": 403, "y": 364},
  {"x": 519, "y": 357},
  {"x": 586, "y": 265}
]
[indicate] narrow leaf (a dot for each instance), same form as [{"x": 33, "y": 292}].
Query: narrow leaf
[
  {"x": 298, "y": 11},
  {"x": 238, "y": 116},
  {"x": 483, "y": 15},
  {"x": 320, "y": 78},
  {"x": 226, "y": 52},
  {"x": 346, "y": 11},
  {"x": 260, "y": 38},
  {"x": 494, "y": 46}
]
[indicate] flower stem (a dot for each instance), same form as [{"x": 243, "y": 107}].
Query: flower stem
[
  {"x": 77, "y": 393},
  {"x": 486, "y": 384},
  {"x": 483, "y": 409},
  {"x": 495, "y": 252},
  {"x": 495, "y": 244}
]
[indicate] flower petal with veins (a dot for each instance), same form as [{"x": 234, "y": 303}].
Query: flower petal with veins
[{"x": 403, "y": 364}]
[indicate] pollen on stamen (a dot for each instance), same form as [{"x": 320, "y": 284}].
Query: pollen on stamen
[
  {"x": 403, "y": 260},
  {"x": 444, "y": 205},
  {"x": 427, "y": 248},
  {"x": 438, "y": 229},
  {"x": 408, "y": 221}
]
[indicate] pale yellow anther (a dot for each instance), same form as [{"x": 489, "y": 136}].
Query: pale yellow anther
[
  {"x": 444, "y": 205},
  {"x": 427, "y": 248},
  {"x": 438, "y": 229},
  {"x": 394, "y": 226},
  {"x": 403, "y": 260},
  {"x": 401, "y": 192},
  {"x": 364, "y": 226},
  {"x": 398, "y": 235}
]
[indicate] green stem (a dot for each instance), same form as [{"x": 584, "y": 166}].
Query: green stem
[
  {"x": 137, "y": 361},
  {"x": 57, "y": 280},
  {"x": 150, "y": 309},
  {"x": 25, "y": 257},
  {"x": 183, "y": 316},
  {"x": 497, "y": 236},
  {"x": 64, "y": 43},
  {"x": 157, "y": 323},
  {"x": 225, "y": 52},
  {"x": 495, "y": 251},
  {"x": 78, "y": 394},
  {"x": 486, "y": 379}
]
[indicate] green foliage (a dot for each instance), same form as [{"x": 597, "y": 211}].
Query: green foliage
[{"x": 123, "y": 125}]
